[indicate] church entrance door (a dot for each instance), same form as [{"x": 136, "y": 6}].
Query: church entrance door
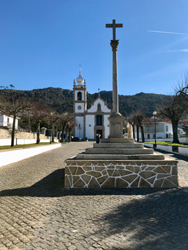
[{"x": 99, "y": 132}]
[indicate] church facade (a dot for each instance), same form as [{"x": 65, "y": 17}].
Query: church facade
[{"x": 92, "y": 121}]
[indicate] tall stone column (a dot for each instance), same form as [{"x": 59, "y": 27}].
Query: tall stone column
[
  {"x": 115, "y": 97},
  {"x": 115, "y": 119}
]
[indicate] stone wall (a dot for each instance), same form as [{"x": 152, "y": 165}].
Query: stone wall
[
  {"x": 120, "y": 174},
  {"x": 4, "y": 134}
]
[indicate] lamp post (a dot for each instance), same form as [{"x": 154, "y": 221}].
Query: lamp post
[
  {"x": 52, "y": 118},
  {"x": 155, "y": 116}
]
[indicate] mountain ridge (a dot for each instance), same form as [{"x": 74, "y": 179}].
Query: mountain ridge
[{"x": 61, "y": 100}]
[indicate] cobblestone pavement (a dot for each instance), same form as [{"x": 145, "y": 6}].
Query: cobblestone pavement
[{"x": 36, "y": 212}]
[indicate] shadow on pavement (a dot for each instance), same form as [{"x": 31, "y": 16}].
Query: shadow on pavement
[
  {"x": 53, "y": 186},
  {"x": 156, "y": 221}
]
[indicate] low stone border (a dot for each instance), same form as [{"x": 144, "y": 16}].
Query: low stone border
[
  {"x": 172, "y": 149},
  {"x": 7, "y": 157},
  {"x": 120, "y": 174}
]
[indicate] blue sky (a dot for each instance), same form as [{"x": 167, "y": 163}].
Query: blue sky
[{"x": 42, "y": 43}]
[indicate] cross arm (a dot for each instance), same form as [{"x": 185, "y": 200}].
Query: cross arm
[
  {"x": 109, "y": 25},
  {"x": 120, "y": 25}
]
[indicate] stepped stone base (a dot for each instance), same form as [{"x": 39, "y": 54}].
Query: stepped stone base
[
  {"x": 120, "y": 174},
  {"x": 118, "y": 140},
  {"x": 119, "y": 157},
  {"x": 123, "y": 151}
]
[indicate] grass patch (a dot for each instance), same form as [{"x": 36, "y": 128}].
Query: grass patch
[
  {"x": 26, "y": 145},
  {"x": 169, "y": 143}
]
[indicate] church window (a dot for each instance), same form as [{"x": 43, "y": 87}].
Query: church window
[
  {"x": 99, "y": 107},
  {"x": 79, "y": 96},
  {"x": 99, "y": 120}
]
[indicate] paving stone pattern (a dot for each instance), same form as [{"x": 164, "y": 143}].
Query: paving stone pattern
[
  {"x": 122, "y": 174},
  {"x": 36, "y": 212}
]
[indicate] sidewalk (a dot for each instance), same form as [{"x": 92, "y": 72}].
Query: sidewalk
[{"x": 11, "y": 156}]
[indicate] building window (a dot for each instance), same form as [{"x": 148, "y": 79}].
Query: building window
[
  {"x": 166, "y": 128},
  {"x": 99, "y": 120},
  {"x": 148, "y": 136},
  {"x": 147, "y": 129},
  {"x": 79, "y": 96},
  {"x": 99, "y": 107}
]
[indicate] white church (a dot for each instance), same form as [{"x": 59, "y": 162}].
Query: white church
[{"x": 93, "y": 121}]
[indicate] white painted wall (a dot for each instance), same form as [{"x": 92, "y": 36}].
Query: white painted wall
[
  {"x": 79, "y": 133},
  {"x": 90, "y": 120},
  {"x": 160, "y": 128},
  {"x": 104, "y": 107},
  {"x": 183, "y": 139},
  {"x": 106, "y": 124},
  {"x": 79, "y": 110},
  {"x": 4, "y": 123},
  {"x": 183, "y": 151}
]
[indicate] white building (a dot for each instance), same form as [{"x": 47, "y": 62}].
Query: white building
[
  {"x": 163, "y": 129},
  {"x": 89, "y": 121},
  {"x": 7, "y": 121}
]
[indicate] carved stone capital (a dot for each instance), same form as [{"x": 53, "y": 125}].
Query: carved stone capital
[{"x": 114, "y": 44}]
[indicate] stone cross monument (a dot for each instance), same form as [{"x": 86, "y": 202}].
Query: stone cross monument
[{"x": 115, "y": 119}]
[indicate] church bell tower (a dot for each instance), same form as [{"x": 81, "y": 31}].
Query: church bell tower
[{"x": 80, "y": 105}]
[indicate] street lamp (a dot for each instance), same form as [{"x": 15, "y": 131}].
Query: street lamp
[
  {"x": 155, "y": 116},
  {"x": 52, "y": 129}
]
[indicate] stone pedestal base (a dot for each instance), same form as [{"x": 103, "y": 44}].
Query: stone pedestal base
[
  {"x": 121, "y": 174},
  {"x": 116, "y": 125}
]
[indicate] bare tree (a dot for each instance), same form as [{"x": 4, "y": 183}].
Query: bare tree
[
  {"x": 63, "y": 119},
  {"x": 70, "y": 126},
  {"x": 39, "y": 112},
  {"x": 131, "y": 121},
  {"x": 137, "y": 119},
  {"x": 13, "y": 107},
  {"x": 175, "y": 109},
  {"x": 53, "y": 117}
]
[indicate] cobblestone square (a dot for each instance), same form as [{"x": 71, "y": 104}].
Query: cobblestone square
[{"x": 36, "y": 212}]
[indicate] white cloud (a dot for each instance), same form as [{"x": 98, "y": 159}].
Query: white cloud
[
  {"x": 167, "y": 32},
  {"x": 180, "y": 50}
]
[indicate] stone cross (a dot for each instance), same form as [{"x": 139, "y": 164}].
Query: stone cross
[
  {"x": 114, "y": 43},
  {"x": 114, "y": 25},
  {"x": 115, "y": 119}
]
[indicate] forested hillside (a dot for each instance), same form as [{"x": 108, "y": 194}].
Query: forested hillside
[{"x": 61, "y": 100}]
